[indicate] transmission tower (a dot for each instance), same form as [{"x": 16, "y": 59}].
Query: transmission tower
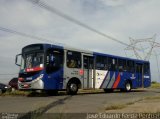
[{"x": 145, "y": 48}]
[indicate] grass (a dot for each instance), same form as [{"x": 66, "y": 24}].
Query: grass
[
  {"x": 23, "y": 93},
  {"x": 155, "y": 85},
  {"x": 121, "y": 106},
  {"x": 17, "y": 93},
  {"x": 115, "y": 107},
  {"x": 151, "y": 98},
  {"x": 130, "y": 103},
  {"x": 90, "y": 91},
  {"x": 28, "y": 93}
]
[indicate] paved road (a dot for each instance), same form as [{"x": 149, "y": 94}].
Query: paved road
[{"x": 80, "y": 103}]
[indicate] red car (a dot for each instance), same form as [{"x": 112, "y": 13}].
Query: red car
[{"x": 14, "y": 83}]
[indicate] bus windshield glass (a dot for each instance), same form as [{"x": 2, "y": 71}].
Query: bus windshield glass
[{"x": 32, "y": 61}]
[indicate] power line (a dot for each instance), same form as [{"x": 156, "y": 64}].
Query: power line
[
  {"x": 71, "y": 19},
  {"x": 25, "y": 35},
  {"x": 150, "y": 41},
  {"x": 31, "y": 36}
]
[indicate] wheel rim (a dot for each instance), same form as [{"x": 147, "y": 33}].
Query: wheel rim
[
  {"x": 128, "y": 86},
  {"x": 73, "y": 87}
]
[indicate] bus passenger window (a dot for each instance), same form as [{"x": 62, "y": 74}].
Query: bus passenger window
[
  {"x": 146, "y": 68},
  {"x": 112, "y": 63},
  {"x": 121, "y": 65},
  {"x": 85, "y": 63},
  {"x": 101, "y": 63},
  {"x": 130, "y": 66},
  {"x": 72, "y": 64},
  {"x": 73, "y": 59},
  {"x": 54, "y": 60}
]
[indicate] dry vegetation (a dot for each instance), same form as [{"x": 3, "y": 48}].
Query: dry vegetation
[
  {"x": 121, "y": 106},
  {"x": 155, "y": 85}
]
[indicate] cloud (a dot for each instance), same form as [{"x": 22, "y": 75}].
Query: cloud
[{"x": 115, "y": 3}]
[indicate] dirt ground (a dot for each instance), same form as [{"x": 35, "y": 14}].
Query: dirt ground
[{"x": 151, "y": 105}]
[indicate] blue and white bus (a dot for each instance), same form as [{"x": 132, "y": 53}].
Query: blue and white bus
[{"x": 51, "y": 67}]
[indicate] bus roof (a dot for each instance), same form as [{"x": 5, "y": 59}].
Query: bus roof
[
  {"x": 85, "y": 51},
  {"x": 120, "y": 57}
]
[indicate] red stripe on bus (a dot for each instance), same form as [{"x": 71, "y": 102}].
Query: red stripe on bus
[
  {"x": 34, "y": 69},
  {"x": 117, "y": 81}
]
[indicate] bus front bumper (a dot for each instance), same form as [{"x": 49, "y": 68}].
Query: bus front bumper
[{"x": 35, "y": 84}]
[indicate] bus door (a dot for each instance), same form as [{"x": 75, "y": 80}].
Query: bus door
[
  {"x": 88, "y": 62},
  {"x": 139, "y": 73}
]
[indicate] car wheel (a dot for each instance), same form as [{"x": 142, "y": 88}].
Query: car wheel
[{"x": 72, "y": 88}]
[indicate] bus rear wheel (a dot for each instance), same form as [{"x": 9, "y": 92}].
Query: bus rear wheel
[
  {"x": 128, "y": 86},
  {"x": 72, "y": 88}
]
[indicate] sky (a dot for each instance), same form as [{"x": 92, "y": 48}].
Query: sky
[{"x": 120, "y": 19}]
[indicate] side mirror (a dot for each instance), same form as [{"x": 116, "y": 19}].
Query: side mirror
[{"x": 17, "y": 61}]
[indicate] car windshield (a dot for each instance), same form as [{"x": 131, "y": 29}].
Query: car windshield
[{"x": 32, "y": 60}]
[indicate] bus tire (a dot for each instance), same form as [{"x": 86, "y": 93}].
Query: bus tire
[
  {"x": 128, "y": 86},
  {"x": 72, "y": 88}
]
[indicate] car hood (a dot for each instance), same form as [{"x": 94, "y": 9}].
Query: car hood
[{"x": 4, "y": 86}]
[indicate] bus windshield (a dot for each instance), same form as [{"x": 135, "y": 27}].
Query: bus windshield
[{"x": 32, "y": 60}]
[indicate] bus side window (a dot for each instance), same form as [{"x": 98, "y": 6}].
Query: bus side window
[
  {"x": 101, "y": 63},
  {"x": 130, "y": 66},
  {"x": 112, "y": 63},
  {"x": 73, "y": 59},
  {"x": 121, "y": 65},
  {"x": 87, "y": 62},
  {"x": 146, "y": 68},
  {"x": 138, "y": 68},
  {"x": 54, "y": 60}
]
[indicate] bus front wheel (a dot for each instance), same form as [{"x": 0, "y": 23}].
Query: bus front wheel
[{"x": 72, "y": 88}]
